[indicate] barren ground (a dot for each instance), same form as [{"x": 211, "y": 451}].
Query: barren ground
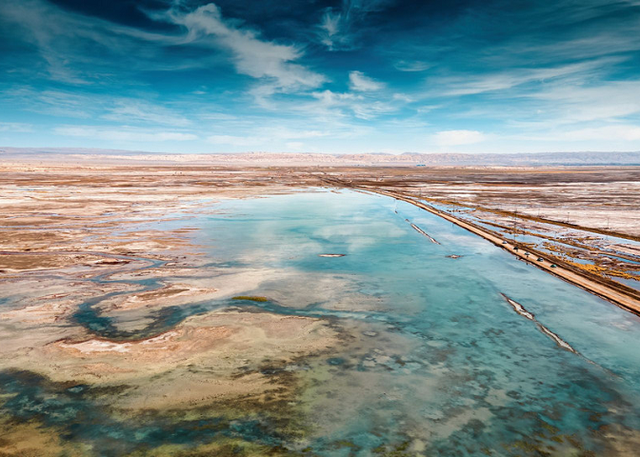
[{"x": 63, "y": 227}]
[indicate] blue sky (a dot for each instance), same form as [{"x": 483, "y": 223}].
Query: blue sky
[{"x": 321, "y": 76}]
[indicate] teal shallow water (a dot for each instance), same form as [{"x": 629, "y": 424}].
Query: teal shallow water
[
  {"x": 478, "y": 376},
  {"x": 434, "y": 362}
]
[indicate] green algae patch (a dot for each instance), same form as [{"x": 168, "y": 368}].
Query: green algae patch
[
  {"x": 257, "y": 298},
  {"x": 222, "y": 447},
  {"x": 240, "y": 427},
  {"x": 399, "y": 450}
]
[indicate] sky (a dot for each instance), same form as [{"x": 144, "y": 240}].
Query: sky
[{"x": 350, "y": 76}]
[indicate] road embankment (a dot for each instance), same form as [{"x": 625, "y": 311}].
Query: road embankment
[{"x": 618, "y": 294}]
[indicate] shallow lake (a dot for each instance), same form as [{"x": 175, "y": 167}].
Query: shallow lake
[
  {"x": 455, "y": 370},
  {"x": 434, "y": 359}
]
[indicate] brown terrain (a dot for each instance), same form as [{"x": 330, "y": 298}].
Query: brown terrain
[
  {"x": 72, "y": 232},
  {"x": 77, "y": 216},
  {"x": 61, "y": 227}
]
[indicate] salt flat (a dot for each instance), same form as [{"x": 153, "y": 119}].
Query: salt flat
[{"x": 179, "y": 310}]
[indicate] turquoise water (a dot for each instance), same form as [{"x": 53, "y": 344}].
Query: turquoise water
[
  {"x": 432, "y": 359},
  {"x": 456, "y": 370}
]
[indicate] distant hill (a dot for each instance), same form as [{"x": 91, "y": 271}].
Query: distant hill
[{"x": 50, "y": 155}]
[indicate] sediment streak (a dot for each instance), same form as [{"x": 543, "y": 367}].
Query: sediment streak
[
  {"x": 419, "y": 230},
  {"x": 562, "y": 344},
  {"x": 518, "y": 308}
]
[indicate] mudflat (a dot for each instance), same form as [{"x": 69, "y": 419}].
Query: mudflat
[{"x": 110, "y": 295}]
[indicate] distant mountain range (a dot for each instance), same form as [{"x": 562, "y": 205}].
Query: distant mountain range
[{"x": 50, "y": 155}]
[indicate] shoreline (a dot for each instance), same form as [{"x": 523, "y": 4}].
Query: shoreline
[{"x": 620, "y": 295}]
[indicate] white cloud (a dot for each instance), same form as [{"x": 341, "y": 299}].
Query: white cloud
[
  {"x": 48, "y": 31},
  {"x": 232, "y": 140},
  {"x": 252, "y": 56},
  {"x": 215, "y": 116},
  {"x": 509, "y": 79},
  {"x": 610, "y": 133},
  {"x": 266, "y": 135},
  {"x": 329, "y": 104},
  {"x": 330, "y": 30},
  {"x": 132, "y": 110},
  {"x": 54, "y": 102},
  {"x": 123, "y": 133},
  {"x": 360, "y": 82},
  {"x": 286, "y": 133},
  {"x": 336, "y": 104},
  {"x": 15, "y": 127},
  {"x": 411, "y": 65},
  {"x": 458, "y": 137},
  {"x": 339, "y": 27},
  {"x": 87, "y": 105},
  {"x": 427, "y": 108},
  {"x": 79, "y": 49},
  {"x": 296, "y": 145},
  {"x": 403, "y": 98},
  {"x": 607, "y": 101}
]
